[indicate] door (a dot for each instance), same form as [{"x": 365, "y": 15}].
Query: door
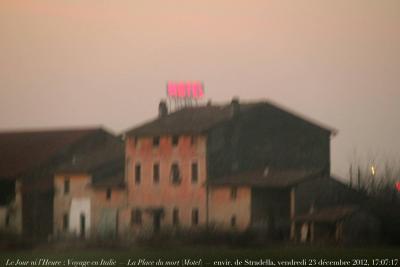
[
  {"x": 108, "y": 223},
  {"x": 82, "y": 226},
  {"x": 157, "y": 222}
]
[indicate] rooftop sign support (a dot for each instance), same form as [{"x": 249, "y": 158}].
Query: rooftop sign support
[{"x": 184, "y": 94}]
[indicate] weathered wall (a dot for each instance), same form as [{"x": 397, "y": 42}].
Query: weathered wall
[
  {"x": 106, "y": 212},
  {"x": 102, "y": 215},
  {"x": 11, "y": 212},
  {"x": 267, "y": 136},
  {"x": 148, "y": 195},
  {"x": 79, "y": 189},
  {"x": 270, "y": 211},
  {"x": 222, "y": 207}
]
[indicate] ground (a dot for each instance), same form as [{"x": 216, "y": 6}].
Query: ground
[{"x": 203, "y": 256}]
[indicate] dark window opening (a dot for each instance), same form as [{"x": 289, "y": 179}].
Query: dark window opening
[
  {"x": 195, "y": 172},
  {"x": 175, "y": 140},
  {"x": 66, "y": 185},
  {"x": 233, "y": 221},
  {"x": 156, "y": 173},
  {"x": 195, "y": 216},
  {"x": 175, "y": 217},
  {"x": 127, "y": 166},
  {"x": 108, "y": 193},
  {"x": 7, "y": 192},
  {"x": 8, "y": 219},
  {"x": 136, "y": 217},
  {"x": 156, "y": 141},
  {"x": 135, "y": 140},
  {"x": 233, "y": 193},
  {"x": 175, "y": 174},
  {"x": 193, "y": 140},
  {"x": 138, "y": 173},
  {"x": 65, "y": 222},
  {"x": 83, "y": 225}
]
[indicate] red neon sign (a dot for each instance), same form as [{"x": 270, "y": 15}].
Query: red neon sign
[{"x": 185, "y": 89}]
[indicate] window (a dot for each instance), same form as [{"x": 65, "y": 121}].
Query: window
[
  {"x": 156, "y": 141},
  {"x": 175, "y": 174},
  {"x": 138, "y": 172},
  {"x": 195, "y": 172},
  {"x": 135, "y": 140},
  {"x": 128, "y": 166},
  {"x": 175, "y": 140},
  {"x": 195, "y": 216},
  {"x": 233, "y": 221},
  {"x": 108, "y": 193},
  {"x": 66, "y": 185},
  {"x": 65, "y": 222},
  {"x": 8, "y": 218},
  {"x": 233, "y": 193},
  {"x": 156, "y": 173},
  {"x": 136, "y": 217},
  {"x": 175, "y": 217},
  {"x": 193, "y": 140}
]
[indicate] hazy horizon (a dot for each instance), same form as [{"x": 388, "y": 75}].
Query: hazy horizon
[{"x": 72, "y": 63}]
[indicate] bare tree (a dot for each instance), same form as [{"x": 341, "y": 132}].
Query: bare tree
[{"x": 376, "y": 178}]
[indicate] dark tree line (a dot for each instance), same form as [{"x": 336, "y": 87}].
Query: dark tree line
[{"x": 378, "y": 183}]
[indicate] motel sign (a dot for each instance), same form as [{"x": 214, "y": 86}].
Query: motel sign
[{"x": 193, "y": 90}]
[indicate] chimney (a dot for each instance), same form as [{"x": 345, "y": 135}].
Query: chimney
[
  {"x": 235, "y": 106},
  {"x": 162, "y": 109}
]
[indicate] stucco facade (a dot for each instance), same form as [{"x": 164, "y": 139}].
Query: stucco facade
[
  {"x": 81, "y": 210},
  {"x": 179, "y": 203},
  {"x": 230, "y": 207}
]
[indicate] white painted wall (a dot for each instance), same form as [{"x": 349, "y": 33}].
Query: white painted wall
[{"x": 79, "y": 206}]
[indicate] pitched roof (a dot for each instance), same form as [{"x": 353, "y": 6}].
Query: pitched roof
[
  {"x": 112, "y": 177},
  {"x": 105, "y": 163},
  {"x": 273, "y": 178},
  {"x": 331, "y": 214},
  {"x": 25, "y": 150},
  {"x": 186, "y": 120},
  {"x": 198, "y": 119},
  {"x": 99, "y": 156}
]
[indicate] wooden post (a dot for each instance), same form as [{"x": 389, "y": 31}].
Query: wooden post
[
  {"x": 337, "y": 232},
  {"x": 312, "y": 225},
  {"x": 292, "y": 214},
  {"x": 351, "y": 175}
]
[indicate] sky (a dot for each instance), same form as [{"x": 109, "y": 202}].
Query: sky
[{"x": 76, "y": 63}]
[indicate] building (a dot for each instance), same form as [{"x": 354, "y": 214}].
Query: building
[
  {"x": 90, "y": 191},
  {"x": 233, "y": 167},
  {"x": 218, "y": 165},
  {"x": 338, "y": 224},
  {"x": 28, "y": 162}
]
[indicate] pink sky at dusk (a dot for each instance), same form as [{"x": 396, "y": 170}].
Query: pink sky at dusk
[{"x": 75, "y": 63}]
